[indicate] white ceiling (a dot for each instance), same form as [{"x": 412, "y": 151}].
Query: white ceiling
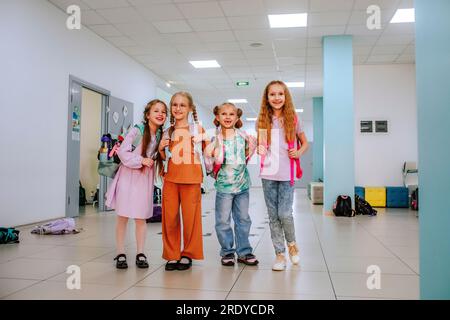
[{"x": 164, "y": 35}]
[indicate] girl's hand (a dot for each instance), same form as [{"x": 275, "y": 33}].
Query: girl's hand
[
  {"x": 294, "y": 153},
  {"x": 147, "y": 162},
  {"x": 163, "y": 144},
  {"x": 262, "y": 150}
]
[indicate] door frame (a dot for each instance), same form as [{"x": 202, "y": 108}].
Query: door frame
[{"x": 70, "y": 161}]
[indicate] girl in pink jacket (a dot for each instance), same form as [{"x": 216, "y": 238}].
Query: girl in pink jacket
[{"x": 131, "y": 191}]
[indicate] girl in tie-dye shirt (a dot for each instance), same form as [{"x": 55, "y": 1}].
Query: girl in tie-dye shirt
[{"x": 227, "y": 158}]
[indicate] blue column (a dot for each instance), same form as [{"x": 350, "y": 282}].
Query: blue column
[
  {"x": 433, "y": 99},
  {"x": 338, "y": 133},
  {"x": 318, "y": 138}
]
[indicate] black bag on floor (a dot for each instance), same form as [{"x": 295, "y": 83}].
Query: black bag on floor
[
  {"x": 82, "y": 195},
  {"x": 363, "y": 207},
  {"x": 9, "y": 235},
  {"x": 343, "y": 207}
]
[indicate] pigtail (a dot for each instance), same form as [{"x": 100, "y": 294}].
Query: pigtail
[
  {"x": 216, "y": 113},
  {"x": 172, "y": 125},
  {"x": 239, "y": 123},
  {"x": 194, "y": 113}
]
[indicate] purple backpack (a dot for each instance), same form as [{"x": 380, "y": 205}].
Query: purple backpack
[
  {"x": 60, "y": 226},
  {"x": 157, "y": 214},
  {"x": 157, "y": 208}
]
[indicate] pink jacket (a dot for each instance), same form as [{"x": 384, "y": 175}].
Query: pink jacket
[{"x": 131, "y": 190}]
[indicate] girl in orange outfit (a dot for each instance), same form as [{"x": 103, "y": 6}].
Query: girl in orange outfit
[{"x": 182, "y": 148}]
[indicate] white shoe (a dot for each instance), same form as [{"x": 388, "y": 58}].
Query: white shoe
[
  {"x": 280, "y": 263},
  {"x": 293, "y": 253}
]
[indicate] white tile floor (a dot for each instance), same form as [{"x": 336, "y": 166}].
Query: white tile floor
[{"x": 335, "y": 254}]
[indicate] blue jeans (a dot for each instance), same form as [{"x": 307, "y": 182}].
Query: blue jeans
[
  {"x": 279, "y": 196},
  {"x": 235, "y": 204}
]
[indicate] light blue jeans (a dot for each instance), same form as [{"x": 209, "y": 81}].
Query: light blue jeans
[
  {"x": 235, "y": 204},
  {"x": 279, "y": 196}
]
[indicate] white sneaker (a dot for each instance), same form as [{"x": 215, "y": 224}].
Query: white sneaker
[
  {"x": 293, "y": 253},
  {"x": 280, "y": 263}
]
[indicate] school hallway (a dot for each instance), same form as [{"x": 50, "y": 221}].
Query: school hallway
[{"x": 335, "y": 255}]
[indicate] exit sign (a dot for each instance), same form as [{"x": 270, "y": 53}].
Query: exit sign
[{"x": 242, "y": 84}]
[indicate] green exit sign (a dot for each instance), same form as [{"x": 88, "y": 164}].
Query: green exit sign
[{"x": 242, "y": 84}]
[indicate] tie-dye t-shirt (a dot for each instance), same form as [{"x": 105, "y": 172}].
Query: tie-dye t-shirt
[{"x": 233, "y": 176}]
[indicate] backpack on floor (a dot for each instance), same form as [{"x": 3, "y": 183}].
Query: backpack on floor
[
  {"x": 82, "y": 195},
  {"x": 9, "y": 235},
  {"x": 60, "y": 226},
  {"x": 363, "y": 207},
  {"x": 343, "y": 207},
  {"x": 157, "y": 208}
]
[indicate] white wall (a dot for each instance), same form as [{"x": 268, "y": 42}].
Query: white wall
[
  {"x": 37, "y": 54},
  {"x": 164, "y": 96},
  {"x": 385, "y": 92},
  {"x": 306, "y": 118}
]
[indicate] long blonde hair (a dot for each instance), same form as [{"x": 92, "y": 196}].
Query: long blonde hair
[{"x": 288, "y": 114}]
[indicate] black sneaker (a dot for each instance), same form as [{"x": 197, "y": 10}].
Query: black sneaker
[
  {"x": 141, "y": 261},
  {"x": 228, "y": 260},
  {"x": 121, "y": 261}
]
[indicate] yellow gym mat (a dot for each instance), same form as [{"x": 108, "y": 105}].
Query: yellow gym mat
[{"x": 376, "y": 196}]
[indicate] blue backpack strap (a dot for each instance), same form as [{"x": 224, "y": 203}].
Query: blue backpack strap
[
  {"x": 141, "y": 127},
  {"x": 137, "y": 139},
  {"x": 158, "y": 135}
]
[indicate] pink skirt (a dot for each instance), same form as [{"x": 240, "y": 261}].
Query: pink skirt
[{"x": 131, "y": 193}]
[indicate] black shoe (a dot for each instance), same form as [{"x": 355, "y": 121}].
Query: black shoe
[
  {"x": 141, "y": 261},
  {"x": 228, "y": 260},
  {"x": 170, "y": 266},
  {"x": 248, "y": 259},
  {"x": 121, "y": 261},
  {"x": 184, "y": 266}
]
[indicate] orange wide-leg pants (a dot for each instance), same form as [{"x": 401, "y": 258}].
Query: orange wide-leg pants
[{"x": 189, "y": 196}]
